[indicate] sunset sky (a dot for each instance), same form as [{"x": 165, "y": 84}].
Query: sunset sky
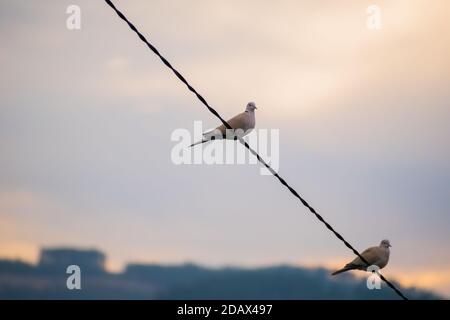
[{"x": 364, "y": 119}]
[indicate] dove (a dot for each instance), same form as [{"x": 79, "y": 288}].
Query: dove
[
  {"x": 242, "y": 124},
  {"x": 378, "y": 256}
]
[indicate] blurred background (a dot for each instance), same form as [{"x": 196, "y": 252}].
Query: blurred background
[{"x": 85, "y": 169}]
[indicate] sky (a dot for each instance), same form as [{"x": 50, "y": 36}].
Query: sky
[{"x": 363, "y": 115}]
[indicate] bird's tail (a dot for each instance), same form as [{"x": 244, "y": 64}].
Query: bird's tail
[
  {"x": 198, "y": 142},
  {"x": 346, "y": 268}
]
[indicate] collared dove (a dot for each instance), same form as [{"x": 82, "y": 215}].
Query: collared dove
[
  {"x": 242, "y": 124},
  {"x": 378, "y": 256}
]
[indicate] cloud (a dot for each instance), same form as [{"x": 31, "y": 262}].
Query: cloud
[{"x": 433, "y": 278}]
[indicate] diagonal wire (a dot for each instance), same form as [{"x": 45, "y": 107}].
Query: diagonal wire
[{"x": 261, "y": 160}]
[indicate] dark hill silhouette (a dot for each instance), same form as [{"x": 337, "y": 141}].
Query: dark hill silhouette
[{"x": 47, "y": 280}]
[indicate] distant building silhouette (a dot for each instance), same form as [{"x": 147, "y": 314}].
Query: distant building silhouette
[
  {"x": 91, "y": 260},
  {"x": 47, "y": 280}
]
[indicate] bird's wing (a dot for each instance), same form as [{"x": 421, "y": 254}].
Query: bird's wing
[
  {"x": 237, "y": 122},
  {"x": 371, "y": 254}
]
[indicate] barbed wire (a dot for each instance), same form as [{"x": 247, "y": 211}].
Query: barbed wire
[{"x": 261, "y": 160}]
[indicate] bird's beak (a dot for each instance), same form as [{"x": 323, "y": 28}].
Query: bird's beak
[{"x": 390, "y": 245}]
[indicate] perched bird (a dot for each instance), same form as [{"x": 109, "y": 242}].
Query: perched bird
[
  {"x": 242, "y": 124},
  {"x": 378, "y": 256}
]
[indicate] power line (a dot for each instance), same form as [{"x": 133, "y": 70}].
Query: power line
[{"x": 261, "y": 160}]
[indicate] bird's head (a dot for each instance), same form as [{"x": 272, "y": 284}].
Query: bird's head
[
  {"x": 385, "y": 244},
  {"x": 251, "y": 106}
]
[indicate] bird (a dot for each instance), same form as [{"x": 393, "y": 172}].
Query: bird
[
  {"x": 241, "y": 125},
  {"x": 378, "y": 255}
]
